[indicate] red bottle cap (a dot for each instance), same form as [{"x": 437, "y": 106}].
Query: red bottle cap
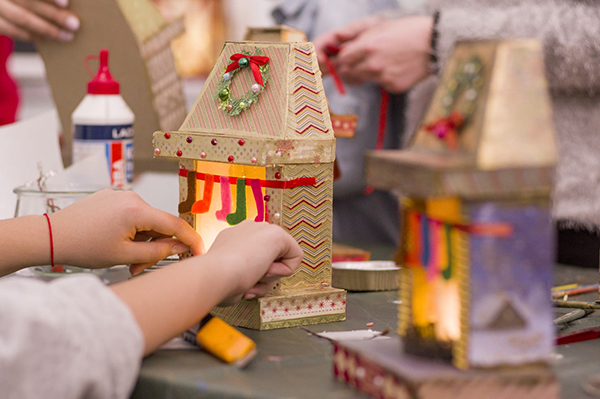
[{"x": 103, "y": 82}]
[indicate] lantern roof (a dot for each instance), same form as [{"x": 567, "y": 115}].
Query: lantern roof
[
  {"x": 276, "y": 109},
  {"x": 488, "y": 130}
]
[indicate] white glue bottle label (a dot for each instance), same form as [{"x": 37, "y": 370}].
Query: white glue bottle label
[{"x": 103, "y": 125}]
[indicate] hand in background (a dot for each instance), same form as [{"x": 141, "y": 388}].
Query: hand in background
[
  {"x": 37, "y": 19},
  {"x": 113, "y": 227},
  {"x": 331, "y": 42},
  {"x": 394, "y": 54},
  {"x": 253, "y": 257}
]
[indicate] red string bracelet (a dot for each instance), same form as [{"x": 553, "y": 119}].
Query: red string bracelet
[{"x": 51, "y": 241}]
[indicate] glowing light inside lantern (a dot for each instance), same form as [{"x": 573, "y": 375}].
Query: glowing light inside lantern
[
  {"x": 435, "y": 301},
  {"x": 208, "y": 224}
]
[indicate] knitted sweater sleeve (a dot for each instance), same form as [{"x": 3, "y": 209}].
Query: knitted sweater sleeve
[
  {"x": 569, "y": 31},
  {"x": 71, "y": 338}
]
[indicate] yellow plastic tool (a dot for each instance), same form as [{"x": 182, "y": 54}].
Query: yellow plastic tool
[{"x": 225, "y": 342}]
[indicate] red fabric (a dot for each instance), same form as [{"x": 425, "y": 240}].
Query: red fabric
[
  {"x": 383, "y": 109},
  {"x": 330, "y": 51},
  {"x": 336, "y": 79},
  {"x": 255, "y": 61},
  {"x": 9, "y": 95}
]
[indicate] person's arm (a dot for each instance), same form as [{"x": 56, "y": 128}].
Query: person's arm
[
  {"x": 70, "y": 338},
  {"x": 37, "y": 20},
  {"x": 569, "y": 31},
  {"x": 104, "y": 229},
  {"x": 244, "y": 260}
]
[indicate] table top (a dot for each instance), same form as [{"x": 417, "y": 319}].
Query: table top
[{"x": 291, "y": 363}]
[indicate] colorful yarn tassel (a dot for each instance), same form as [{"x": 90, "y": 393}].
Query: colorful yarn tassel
[
  {"x": 225, "y": 199},
  {"x": 433, "y": 268},
  {"x": 411, "y": 247},
  {"x": 258, "y": 198},
  {"x": 203, "y": 205},
  {"x": 447, "y": 272},
  {"x": 186, "y": 206},
  {"x": 424, "y": 240},
  {"x": 240, "y": 212}
]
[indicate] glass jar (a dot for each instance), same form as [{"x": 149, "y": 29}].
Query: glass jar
[{"x": 33, "y": 201}]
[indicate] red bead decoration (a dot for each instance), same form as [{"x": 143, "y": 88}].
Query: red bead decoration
[
  {"x": 254, "y": 160},
  {"x": 188, "y": 139},
  {"x": 241, "y": 141},
  {"x": 278, "y": 175},
  {"x": 179, "y": 153},
  {"x": 202, "y": 155},
  {"x": 230, "y": 158},
  {"x": 157, "y": 151},
  {"x": 167, "y": 135},
  {"x": 267, "y": 198},
  {"x": 213, "y": 141}
]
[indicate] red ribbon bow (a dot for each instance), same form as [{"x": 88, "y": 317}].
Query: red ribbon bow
[{"x": 254, "y": 60}]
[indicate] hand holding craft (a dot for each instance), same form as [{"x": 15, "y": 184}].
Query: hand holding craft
[
  {"x": 331, "y": 42},
  {"x": 117, "y": 227},
  {"x": 394, "y": 54},
  {"x": 37, "y": 19},
  {"x": 253, "y": 257}
]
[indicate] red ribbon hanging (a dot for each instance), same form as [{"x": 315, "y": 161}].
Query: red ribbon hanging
[{"x": 254, "y": 60}]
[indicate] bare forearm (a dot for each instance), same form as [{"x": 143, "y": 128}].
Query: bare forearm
[
  {"x": 167, "y": 302},
  {"x": 24, "y": 241}
]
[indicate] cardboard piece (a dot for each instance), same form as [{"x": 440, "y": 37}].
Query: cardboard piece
[
  {"x": 138, "y": 39},
  {"x": 279, "y": 33},
  {"x": 272, "y": 161},
  {"x": 381, "y": 369},
  {"x": 477, "y": 236},
  {"x": 343, "y": 253}
]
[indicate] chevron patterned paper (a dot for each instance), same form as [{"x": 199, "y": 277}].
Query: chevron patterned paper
[
  {"x": 287, "y": 135},
  {"x": 306, "y": 214},
  {"x": 308, "y": 117}
]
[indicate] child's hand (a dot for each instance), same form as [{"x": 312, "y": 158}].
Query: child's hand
[
  {"x": 253, "y": 257},
  {"x": 117, "y": 227}
]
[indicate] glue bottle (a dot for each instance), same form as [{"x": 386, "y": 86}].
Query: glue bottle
[{"x": 103, "y": 124}]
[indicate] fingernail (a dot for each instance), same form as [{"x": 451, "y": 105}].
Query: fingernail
[
  {"x": 249, "y": 296},
  {"x": 65, "y": 36},
  {"x": 72, "y": 23},
  {"x": 179, "y": 249},
  {"x": 61, "y": 3}
]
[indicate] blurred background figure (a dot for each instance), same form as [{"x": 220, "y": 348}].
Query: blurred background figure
[{"x": 359, "y": 215}]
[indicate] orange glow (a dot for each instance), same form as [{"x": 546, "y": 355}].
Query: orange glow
[
  {"x": 447, "y": 327},
  {"x": 207, "y": 223}
]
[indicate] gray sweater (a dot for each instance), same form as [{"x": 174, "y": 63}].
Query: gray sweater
[
  {"x": 68, "y": 339},
  {"x": 570, "y": 33}
]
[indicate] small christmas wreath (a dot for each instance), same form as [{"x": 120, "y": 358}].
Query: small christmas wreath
[
  {"x": 258, "y": 63},
  {"x": 459, "y": 102}
]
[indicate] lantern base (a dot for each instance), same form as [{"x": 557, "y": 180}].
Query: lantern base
[
  {"x": 287, "y": 308},
  {"x": 381, "y": 369}
]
